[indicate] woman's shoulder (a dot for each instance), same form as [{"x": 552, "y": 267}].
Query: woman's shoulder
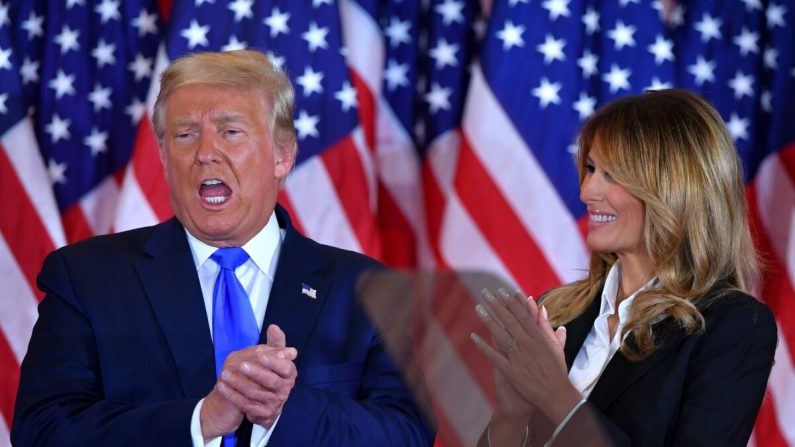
[{"x": 731, "y": 310}]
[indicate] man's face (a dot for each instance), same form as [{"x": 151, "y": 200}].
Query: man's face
[{"x": 221, "y": 165}]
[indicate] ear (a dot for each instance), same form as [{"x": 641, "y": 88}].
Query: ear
[{"x": 285, "y": 159}]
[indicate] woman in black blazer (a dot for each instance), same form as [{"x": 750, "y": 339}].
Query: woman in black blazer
[{"x": 661, "y": 344}]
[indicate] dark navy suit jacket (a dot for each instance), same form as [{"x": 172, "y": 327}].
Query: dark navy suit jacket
[
  {"x": 697, "y": 390},
  {"x": 122, "y": 352}
]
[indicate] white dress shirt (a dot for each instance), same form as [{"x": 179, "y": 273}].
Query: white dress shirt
[
  {"x": 256, "y": 277},
  {"x": 598, "y": 348}
]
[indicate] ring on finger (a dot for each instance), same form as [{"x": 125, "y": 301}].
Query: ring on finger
[{"x": 511, "y": 346}]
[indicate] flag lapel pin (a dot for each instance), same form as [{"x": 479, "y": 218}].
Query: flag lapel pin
[{"x": 308, "y": 290}]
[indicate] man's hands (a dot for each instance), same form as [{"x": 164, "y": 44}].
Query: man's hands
[{"x": 254, "y": 383}]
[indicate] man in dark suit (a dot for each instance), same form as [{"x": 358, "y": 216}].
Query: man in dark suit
[{"x": 126, "y": 348}]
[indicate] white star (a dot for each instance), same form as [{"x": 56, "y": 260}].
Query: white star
[
  {"x": 770, "y": 57},
  {"x": 58, "y": 129},
  {"x": 57, "y": 172},
  {"x": 766, "y": 99},
  {"x": 97, "y": 141},
  {"x": 511, "y": 35},
  {"x": 451, "y": 11},
  {"x": 742, "y": 84},
  {"x": 234, "y": 44},
  {"x": 618, "y": 78},
  {"x": 395, "y": 75},
  {"x": 141, "y": 67},
  {"x": 108, "y": 10},
  {"x": 100, "y": 97},
  {"x": 277, "y": 22},
  {"x": 557, "y": 8},
  {"x": 135, "y": 110},
  {"x": 146, "y": 23},
  {"x": 624, "y": 3},
  {"x": 104, "y": 53},
  {"x": 201, "y": 2},
  {"x": 516, "y": 2},
  {"x": 3, "y": 99},
  {"x": 444, "y": 54},
  {"x": 310, "y": 81},
  {"x": 676, "y": 17},
  {"x": 585, "y": 105},
  {"x": 547, "y": 93},
  {"x": 703, "y": 70},
  {"x": 347, "y": 96},
  {"x": 29, "y": 71},
  {"x": 70, "y": 3},
  {"x": 775, "y": 15},
  {"x": 709, "y": 28},
  {"x": 438, "y": 98},
  {"x": 276, "y": 59},
  {"x": 750, "y": 5},
  {"x": 67, "y": 39},
  {"x": 315, "y": 37},
  {"x": 62, "y": 84},
  {"x": 5, "y": 59},
  {"x": 657, "y": 84},
  {"x": 747, "y": 41},
  {"x": 196, "y": 35},
  {"x": 662, "y": 49},
  {"x": 622, "y": 35},
  {"x": 591, "y": 21},
  {"x": 306, "y": 125},
  {"x": 4, "y": 15},
  {"x": 317, "y": 3},
  {"x": 397, "y": 32},
  {"x": 242, "y": 9},
  {"x": 738, "y": 127},
  {"x": 552, "y": 49},
  {"x": 33, "y": 25},
  {"x": 588, "y": 63}
]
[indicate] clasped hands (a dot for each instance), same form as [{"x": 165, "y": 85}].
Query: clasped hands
[{"x": 254, "y": 383}]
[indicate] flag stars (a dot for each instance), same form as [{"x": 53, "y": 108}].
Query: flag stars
[
  {"x": 557, "y": 8},
  {"x": 277, "y": 22},
  {"x": 96, "y": 141},
  {"x": 738, "y": 127},
  {"x": 766, "y": 100},
  {"x": 196, "y": 34},
  {"x": 438, "y": 98},
  {"x": 100, "y": 98},
  {"x": 62, "y": 84},
  {"x": 4, "y": 15},
  {"x": 709, "y": 28},
  {"x": 585, "y": 105},
  {"x": 742, "y": 85},
  {"x": 703, "y": 70},
  {"x": 747, "y": 41},
  {"x": 317, "y": 3},
  {"x": 622, "y": 35},
  {"x": 591, "y": 21},
  {"x": 347, "y": 96},
  {"x": 395, "y": 75},
  {"x": 103, "y": 53},
  {"x": 662, "y": 49},
  {"x": 315, "y": 37},
  {"x": 34, "y": 25},
  {"x": 657, "y": 84},
  {"x": 67, "y": 39},
  {"x": 617, "y": 78},
  {"x": 451, "y": 11},
  {"x": 306, "y": 125},
  {"x": 141, "y": 67},
  {"x": 58, "y": 129},
  {"x": 29, "y": 71},
  {"x": 3, "y": 99},
  {"x": 751, "y": 5},
  {"x": 444, "y": 54},
  {"x": 71, "y": 3},
  {"x": 770, "y": 56},
  {"x": 511, "y": 35},
  {"x": 145, "y": 22},
  {"x": 201, "y": 2},
  {"x": 57, "y": 172},
  {"x": 588, "y": 63},
  {"x": 276, "y": 59},
  {"x": 5, "y": 58},
  {"x": 135, "y": 110},
  {"x": 311, "y": 81},
  {"x": 242, "y": 9},
  {"x": 547, "y": 92},
  {"x": 234, "y": 44},
  {"x": 108, "y": 10},
  {"x": 397, "y": 32},
  {"x": 552, "y": 49},
  {"x": 775, "y": 15}
]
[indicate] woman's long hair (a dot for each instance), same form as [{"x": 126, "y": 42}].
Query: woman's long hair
[{"x": 671, "y": 150}]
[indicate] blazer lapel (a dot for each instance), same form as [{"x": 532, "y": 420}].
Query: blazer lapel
[
  {"x": 578, "y": 329},
  {"x": 172, "y": 287}
]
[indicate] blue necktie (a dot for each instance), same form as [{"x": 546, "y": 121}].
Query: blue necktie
[{"x": 234, "y": 325}]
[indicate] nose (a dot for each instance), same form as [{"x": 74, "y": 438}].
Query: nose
[
  {"x": 591, "y": 189},
  {"x": 206, "y": 150}
]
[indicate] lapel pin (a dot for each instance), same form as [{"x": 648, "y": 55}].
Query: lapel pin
[{"x": 308, "y": 291}]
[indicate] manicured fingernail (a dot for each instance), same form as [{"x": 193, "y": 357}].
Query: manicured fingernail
[
  {"x": 487, "y": 295},
  {"x": 530, "y": 298},
  {"x": 503, "y": 294},
  {"x": 481, "y": 311},
  {"x": 475, "y": 337},
  {"x": 561, "y": 328},
  {"x": 544, "y": 312}
]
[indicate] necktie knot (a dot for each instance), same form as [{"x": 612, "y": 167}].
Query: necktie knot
[{"x": 230, "y": 258}]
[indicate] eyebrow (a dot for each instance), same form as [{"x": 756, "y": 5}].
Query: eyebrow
[{"x": 221, "y": 118}]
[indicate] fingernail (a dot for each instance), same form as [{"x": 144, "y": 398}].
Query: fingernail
[
  {"x": 486, "y": 293},
  {"x": 481, "y": 311},
  {"x": 475, "y": 337},
  {"x": 530, "y": 298},
  {"x": 544, "y": 312},
  {"x": 503, "y": 294},
  {"x": 561, "y": 328}
]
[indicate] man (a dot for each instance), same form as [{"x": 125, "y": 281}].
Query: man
[{"x": 131, "y": 343}]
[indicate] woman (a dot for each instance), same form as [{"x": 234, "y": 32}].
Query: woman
[{"x": 662, "y": 341}]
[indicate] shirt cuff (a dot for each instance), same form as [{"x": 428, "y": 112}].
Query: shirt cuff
[
  {"x": 260, "y": 435},
  {"x": 196, "y": 430}
]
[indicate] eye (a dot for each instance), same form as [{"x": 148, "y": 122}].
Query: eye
[{"x": 589, "y": 167}]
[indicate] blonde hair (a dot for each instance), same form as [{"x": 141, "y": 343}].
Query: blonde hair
[
  {"x": 671, "y": 150},
  {"x": 244, "y": 69}
]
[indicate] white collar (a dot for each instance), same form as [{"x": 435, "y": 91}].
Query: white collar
[{"x": 610, "y": 293}]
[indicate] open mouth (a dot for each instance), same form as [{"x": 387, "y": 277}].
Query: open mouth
[
  {"x": 214, "y": 191},
  {"x": 601, "y": 218}
]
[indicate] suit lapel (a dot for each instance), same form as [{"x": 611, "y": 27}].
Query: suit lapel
[
  {"x": 172, "y": 287},
  {"x": 578, "y": 329}
]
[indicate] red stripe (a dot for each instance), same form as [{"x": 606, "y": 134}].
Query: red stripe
[
  {"x": 347, "y": 174},
  {"x": 435, "y": 204},
  {"x": 285, "y": 201},
  {"x": 366, "y": 108},
  {"x": 9, "y": 380},
  {"x": 149, "y": 172},
  {"x": 787, "y": 157},
  {"x": 500, "y": 225},
  {"x": 164, "y": 8},
  {"x": 75, "y": 224},
  {"x": 21, "y": 226},
  {"x": 766, "y": 430},
  {"x": 398, "y": 242}
]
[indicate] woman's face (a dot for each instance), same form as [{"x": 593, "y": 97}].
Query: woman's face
[{"x": 615, "y": 217}]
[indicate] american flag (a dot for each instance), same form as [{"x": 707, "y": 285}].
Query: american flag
[{"x": 433, "y": 133}]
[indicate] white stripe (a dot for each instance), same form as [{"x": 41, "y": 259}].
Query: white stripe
[
  {"x": 99, "y": 206},
  {"x": 21, "y": 148},
  {"x": 161, "y": 64},
  {"x": 367, "y": 164},
  {"x": 317, "y": 206},
  {"x": 776, "y": 200},
  {"x": 18, "y": 305},
  {"x": 134, "y": 210},
  {"x": 782, "y": 389},
  {"x": 5, "y": 436},
  {"x": 365, "y": 44},
  {"x": 522, "y": 181}
]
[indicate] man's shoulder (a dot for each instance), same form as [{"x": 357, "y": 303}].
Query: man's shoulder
[{"x": 129, "y": 241}]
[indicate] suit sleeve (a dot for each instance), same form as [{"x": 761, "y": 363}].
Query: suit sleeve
[{"x": 60, "y": 399}]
